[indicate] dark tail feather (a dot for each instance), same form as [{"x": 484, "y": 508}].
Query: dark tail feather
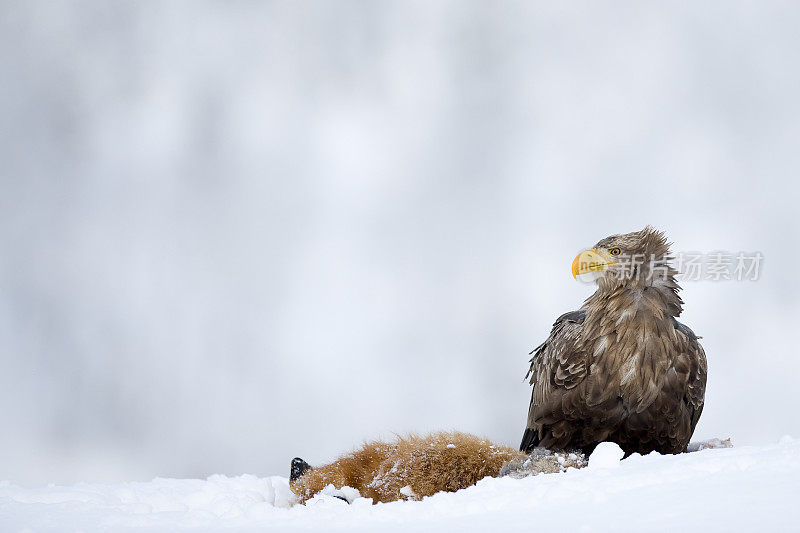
[
  {"x": 530, "y": 440},
  {"x": 298, "y": 468}
]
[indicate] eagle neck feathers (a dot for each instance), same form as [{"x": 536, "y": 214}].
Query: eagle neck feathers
[{"x": 627, "y": 333}]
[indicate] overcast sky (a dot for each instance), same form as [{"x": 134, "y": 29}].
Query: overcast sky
[{"x": 234, "y": 232}]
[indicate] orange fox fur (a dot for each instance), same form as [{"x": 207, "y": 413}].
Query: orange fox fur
[{"x": 413, "y": 467}]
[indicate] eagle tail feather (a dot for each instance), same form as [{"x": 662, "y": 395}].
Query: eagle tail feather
[{"x": 530, "y": 440}]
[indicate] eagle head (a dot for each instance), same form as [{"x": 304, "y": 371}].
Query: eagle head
[{"x": 618, "y": 259}]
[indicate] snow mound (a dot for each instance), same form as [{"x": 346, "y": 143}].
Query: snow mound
[
  {"x": 606, "y": 455},
  {"x": 722, "y": 489},
  {"x": 710, "y": 443},
  {"x": 330, "y": 495}
]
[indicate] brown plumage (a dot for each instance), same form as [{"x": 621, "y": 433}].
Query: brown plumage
[
  {"x": 621, "y": 368},
  {"x": 412, "y": 467}
]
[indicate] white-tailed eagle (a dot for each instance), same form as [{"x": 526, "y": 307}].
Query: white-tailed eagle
[{"x": 621, "y": 368}]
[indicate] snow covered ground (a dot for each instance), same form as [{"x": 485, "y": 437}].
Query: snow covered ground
[{"x": 733, "y": 489}]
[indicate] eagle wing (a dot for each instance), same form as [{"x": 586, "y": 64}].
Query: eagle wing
[
  {"x": 558, "y": 371},
  {"x": 698, "y": 370},
  {"x": 557, "y": 364}
]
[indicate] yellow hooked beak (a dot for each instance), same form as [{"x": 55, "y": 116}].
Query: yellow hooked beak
[{"x": 590, "y": 261}]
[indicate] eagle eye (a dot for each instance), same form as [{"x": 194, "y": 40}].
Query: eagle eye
[{"x": 614, "y": 251}]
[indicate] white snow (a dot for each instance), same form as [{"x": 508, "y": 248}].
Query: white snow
[
  {"x": 329, "y": 495},
  {"x": 408, "y": 492},
  {"x": 727, "y": 489},
  {"x": 606, "y": 455}
]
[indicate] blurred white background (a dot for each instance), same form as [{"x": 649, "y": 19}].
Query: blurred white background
[{"x": 235, "y": 232}]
